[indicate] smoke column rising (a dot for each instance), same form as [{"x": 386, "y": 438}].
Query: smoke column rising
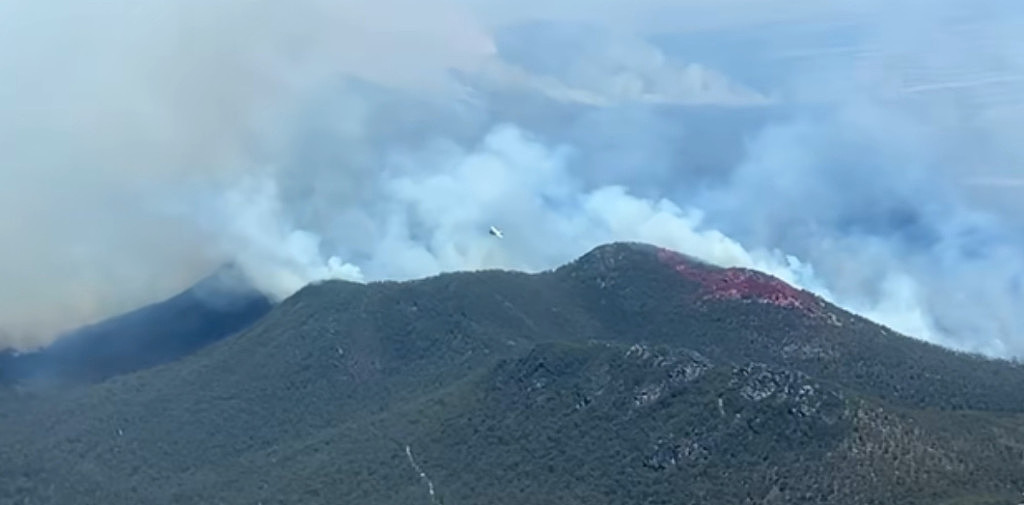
[
  {"x": 118, "y": 116},
  {"x": 145, "y": 144}
]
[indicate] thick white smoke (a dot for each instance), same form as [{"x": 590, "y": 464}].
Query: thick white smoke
[
  {"x": 115, "y": 113},
  {"x": 145, "y": 143}
]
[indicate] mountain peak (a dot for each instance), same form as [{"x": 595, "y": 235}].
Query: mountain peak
[
  {"x": 633, "y": 375},
  {"x": 612, "y": 255},
  {"x": 712, "y": 282}
]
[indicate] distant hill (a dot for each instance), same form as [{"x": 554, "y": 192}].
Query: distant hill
[
  {"x": 631, "y": 375},
  {"x": 215, "y": 307}
]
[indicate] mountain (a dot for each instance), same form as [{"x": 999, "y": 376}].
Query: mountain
[
  {"x": 215, "y": 307},
  {"x": 631, "y": 375}
]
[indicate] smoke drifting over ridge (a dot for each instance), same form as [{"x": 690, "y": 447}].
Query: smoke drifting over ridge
[{"x": 144, "y": 144}]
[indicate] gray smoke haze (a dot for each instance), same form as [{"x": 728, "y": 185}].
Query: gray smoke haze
[{"x": 867, "y": 152}]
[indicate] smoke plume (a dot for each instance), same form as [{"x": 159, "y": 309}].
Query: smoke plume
[{"x": 865, "y": 152}]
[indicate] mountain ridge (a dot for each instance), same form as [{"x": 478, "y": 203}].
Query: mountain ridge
[
  {"x": 216, "y": 306},
  {"x": 596, "y": 382}
]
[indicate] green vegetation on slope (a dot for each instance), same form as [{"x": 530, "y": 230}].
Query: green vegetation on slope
[{"x": 600, "y": 382}]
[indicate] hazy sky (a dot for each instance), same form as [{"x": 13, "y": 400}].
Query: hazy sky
[{"x": 865, "y": 150}]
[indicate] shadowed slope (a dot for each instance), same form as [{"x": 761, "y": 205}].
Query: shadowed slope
[{"x": 214, "y": 308}]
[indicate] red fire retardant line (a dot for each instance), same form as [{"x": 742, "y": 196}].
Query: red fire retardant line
[{"x": 740, "y": 284}]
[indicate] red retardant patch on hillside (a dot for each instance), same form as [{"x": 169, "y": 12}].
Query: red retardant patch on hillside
[{"x": 740, "y": 284}]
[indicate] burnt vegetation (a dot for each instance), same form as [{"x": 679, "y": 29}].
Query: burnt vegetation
[{"x": 631, "y": 375}]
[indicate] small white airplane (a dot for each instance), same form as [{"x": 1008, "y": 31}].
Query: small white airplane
[{"x": 496, "y": 232}]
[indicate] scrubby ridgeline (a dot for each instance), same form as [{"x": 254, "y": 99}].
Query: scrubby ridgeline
[
  {"x": 614, "y": 379},
  {"x": 703, "y": 307}
]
